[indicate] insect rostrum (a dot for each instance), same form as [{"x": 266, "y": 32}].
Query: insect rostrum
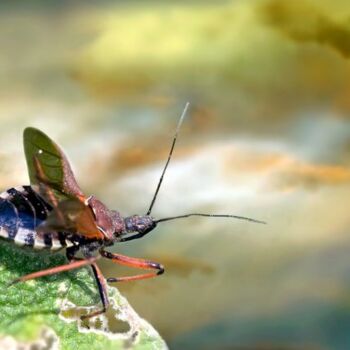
[{"x": 53, "y": 213}]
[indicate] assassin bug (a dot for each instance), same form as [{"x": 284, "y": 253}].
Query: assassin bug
[{"x": 53, "y": 213}]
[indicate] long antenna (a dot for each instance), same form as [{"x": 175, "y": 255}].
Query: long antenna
[
  {"x": 210, "y": 215},
  {"x": 169, "y": 157}
]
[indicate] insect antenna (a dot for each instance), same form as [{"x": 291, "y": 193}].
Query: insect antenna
[
  {"x": 210, "y": 215},
  {"x": 161, "y": 180},
  {"x": 169, "y": 157}
]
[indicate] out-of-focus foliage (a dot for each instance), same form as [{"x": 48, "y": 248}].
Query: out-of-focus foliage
[{"x": 279, "y": 56}]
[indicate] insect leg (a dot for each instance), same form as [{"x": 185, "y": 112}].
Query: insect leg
[
  {"x": 70, "y": 253},
  {"x": 133, "y": 262},
  {"x": 132, "y": 237},
  {"x": 101, "y": 283},
  {"x": 102, "y": 288},
  {"x": 71, "y": 266}
]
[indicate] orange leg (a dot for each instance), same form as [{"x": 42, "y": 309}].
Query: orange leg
[
  {"x": 133, "y": 262},
  {"x": 74, "y": 264},
  {"x": 71, "y": 266}
]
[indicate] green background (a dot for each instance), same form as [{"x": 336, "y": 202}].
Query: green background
[{"x": 267, "y": 136}]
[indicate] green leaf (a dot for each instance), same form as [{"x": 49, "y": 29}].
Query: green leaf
[{"x": 48, "y": 309}]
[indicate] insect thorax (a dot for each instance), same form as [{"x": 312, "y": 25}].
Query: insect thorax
[{"x": 108, "y": 221}]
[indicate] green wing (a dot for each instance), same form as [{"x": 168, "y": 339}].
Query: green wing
[
  {"x": 48, "y": 168},
  {"x": 52, "y": 177}
]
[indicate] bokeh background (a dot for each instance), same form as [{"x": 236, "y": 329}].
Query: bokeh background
[{"x": 267, "y": 136}]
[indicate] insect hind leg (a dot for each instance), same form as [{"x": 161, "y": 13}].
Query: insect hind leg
[{"x": 54, "y": 270}]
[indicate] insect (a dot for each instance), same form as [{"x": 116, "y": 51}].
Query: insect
[{"x": 53, "y": 213}]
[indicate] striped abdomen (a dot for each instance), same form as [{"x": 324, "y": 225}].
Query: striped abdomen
[{"x": 21, "y": 211}]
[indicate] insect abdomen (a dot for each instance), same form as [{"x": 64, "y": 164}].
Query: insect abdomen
[{"x": 21, "y": 211}]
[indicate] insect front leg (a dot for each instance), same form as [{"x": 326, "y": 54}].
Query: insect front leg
[
  {"x": 133, "y": 262},
  {"x": 102, "y": 289},
  {"x": 70, "y": 253},
  {"x": 100, "y": 281},
  {"x": 132, "y": 237}
]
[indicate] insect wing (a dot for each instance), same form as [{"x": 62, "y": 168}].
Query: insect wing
[
  {"x": 72, "y": 216},
  {"x": 52, "y": 177},
  {"x": 48, "y": 168}
]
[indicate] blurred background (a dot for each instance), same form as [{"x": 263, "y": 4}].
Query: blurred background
[{"x": 267, "y": 136}]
